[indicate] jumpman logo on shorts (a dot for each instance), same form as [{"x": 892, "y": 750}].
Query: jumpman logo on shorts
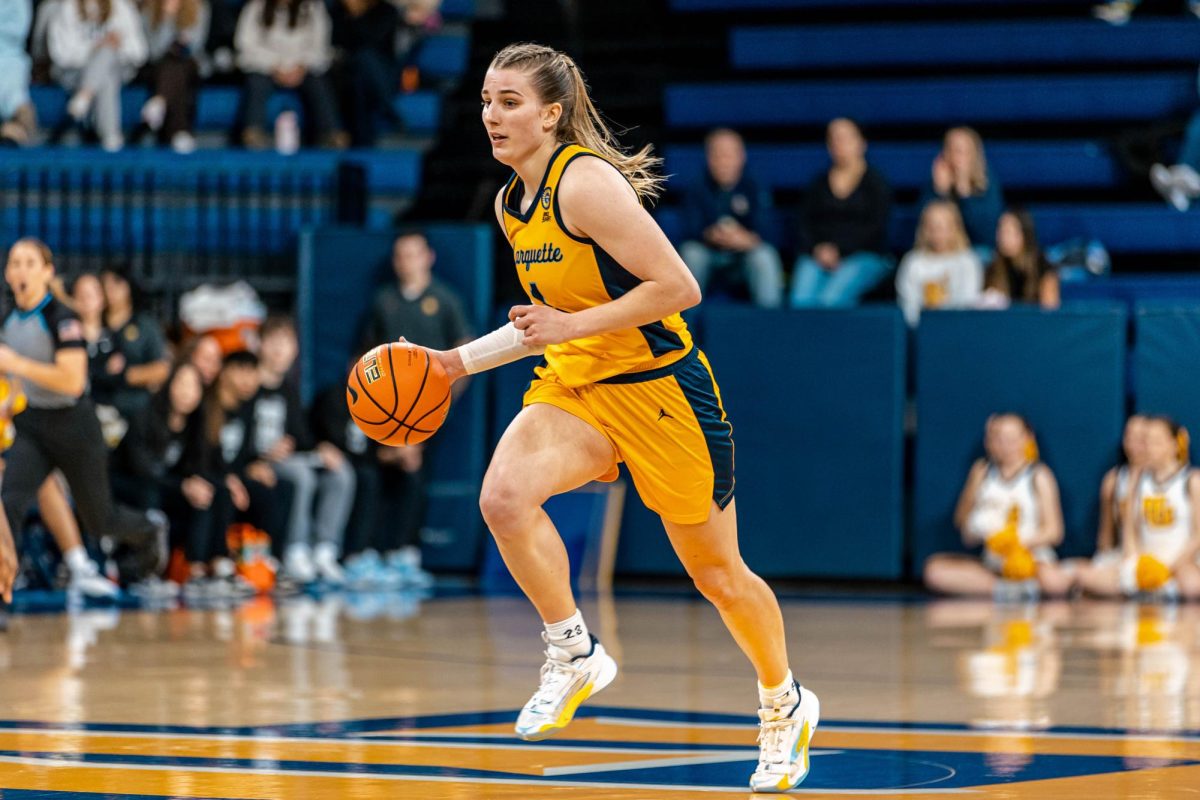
[{"x": 662, "y": 412}]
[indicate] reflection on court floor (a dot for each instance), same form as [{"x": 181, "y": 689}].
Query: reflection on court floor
[{"x": 313, "y": 699}]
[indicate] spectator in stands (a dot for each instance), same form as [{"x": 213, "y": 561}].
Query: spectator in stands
[
  {"x": 175, "y": 34},
  {"x": 1160, "y": 542},
  {"x": 259, "y": 498},
  {"x": 222, "y": 26},
  {"x": 420, "y": 308},
  {"x": 141, "y": 361},
  {"x": 1118, "y": 12},
  {"x": 1019, "y": 272},
  {"x": 941, "y": 271},
  {"x": 1010, "y": 506},
  {"x": 364, "y": 34},
  {"x": 726, "y": 214},
  {"x": 166, "y": 461},
  {"x": 18, "y": 122},
  {"x": 960, "y": 174},
  {"x": 286, "y": 43},
  {"x": 1116, "y": 490},
  {"x": 96, "y": 47},
  {"x": 844, "y": 228},
  {"x": 317, "y": 470},
  {"x": 331, "y": 422},
  {"x": 205, "y": 354},
  {"x": 104, "y": 361}
]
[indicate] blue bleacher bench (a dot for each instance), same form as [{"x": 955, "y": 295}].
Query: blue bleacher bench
[
  {"x": 1002, "y": 43},
  {"x": 906, "y": 165},
  {"x": 769, "y": 5},
  {"x": 444, "y": 55},
  {"x": 947, "y": 101}
]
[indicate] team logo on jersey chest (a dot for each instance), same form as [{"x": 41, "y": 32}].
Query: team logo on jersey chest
[{"x": 546, "y": 197}]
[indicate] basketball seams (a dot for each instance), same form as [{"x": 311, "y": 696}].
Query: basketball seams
[
  {"x": 409, "y": 428},
  {"x": 367, "y": 393},
  {"x": 416, "y": 398}
]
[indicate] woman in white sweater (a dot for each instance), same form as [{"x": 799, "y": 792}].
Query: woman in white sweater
[
  {"x": 941, "y": 271},
  {"x": 287, "y": 43},
  {"x": 96, "y": 47}
]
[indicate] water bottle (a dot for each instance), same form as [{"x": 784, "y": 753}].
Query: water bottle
[{"x": 287, "y": 133}]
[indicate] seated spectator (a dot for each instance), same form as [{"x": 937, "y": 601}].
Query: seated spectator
[
  {"x": 205, "y": 354},
  {"x": 316, "y": 470},
  {"x": 941, "y": 271},
  {"x": 105, "y": 361},
  {"x": 141, "y": 361},
  {"x": 844, "y": 226},
  {"x": 364, "y": 33},
  {"x": 331, "y": 422},
  {"x": 1161, "y": 537},
  {"x": 422, "y": 309},
  {"x": 1010, "y": 506},
  {"x": 18, "y": 122},
  {"x": 286, "y": 43},
  {"x": 725, "y": 217},
  {"x": 96, "y": 47},
  {"x": 259, "y": 498},
  {"x": 1019, "y": 272},
  {"x": 1115, "y": 491},
  {"x": 960, "y": 175},
  {"x": 175, "y": 34},
  {"x": 166, "y": 461}
]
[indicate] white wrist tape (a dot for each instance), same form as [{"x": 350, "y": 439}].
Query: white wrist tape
[{"x": 501, "y": 346}]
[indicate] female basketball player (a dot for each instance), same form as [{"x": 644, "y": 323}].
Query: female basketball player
[
  {"x": 1161, "y": 539},
  {"x": 1010, "y": 505},
  {"x": 622, "y": 381}
]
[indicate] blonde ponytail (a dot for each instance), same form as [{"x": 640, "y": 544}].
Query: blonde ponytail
[{"x": 557, "y": 79}]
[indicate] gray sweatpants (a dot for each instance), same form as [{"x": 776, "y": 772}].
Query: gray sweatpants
[
  {"x": 334, "y": 494},
  {"x": 102, "y": 75}
]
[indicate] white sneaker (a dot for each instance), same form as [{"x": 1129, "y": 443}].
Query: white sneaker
[
  {"x": 91, "y": 583},
  {"x": 783, "y": 739},
  {"x": 566, "y": 682},
  {"x": 298, "y": 564},
  {"x": 112, "y": 143},
  {"x": 1114, "y": 12},
  {"x": 154, "y": 112},
  {"x": 1186, "y": 179},
  {"x": 183, "y": 143},
  {"x": 79, "y": 106},
  {"x": 326, "y": 564}
]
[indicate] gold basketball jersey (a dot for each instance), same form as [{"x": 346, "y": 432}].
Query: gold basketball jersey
[{"x": 571, "y": 273}]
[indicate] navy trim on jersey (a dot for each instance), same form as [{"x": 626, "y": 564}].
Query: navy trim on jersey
[
  {"x": 652, "y": 374},
  {"x": 528, "y": 215},
  {"x": 558, "y": 220},
  {"x": 700, "y": 390},
  {"x": 617, "y": 281}
]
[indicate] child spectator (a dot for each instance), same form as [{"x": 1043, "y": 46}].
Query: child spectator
[
  {"x": 960, "y": 175},
  {"x": 1161, "y": 537},
  {"x": 1019, "y": 272},
  {"x": 18, "y": 122},
  {"x": 941, "y": 271},
  {"x": 1115, "y": 491},
  {"x": 364, "y": 33},
  {"x": 96, "y": 47},
  {"x": 420, "y": 308},
  {"x": 166, "y": 461},
  {"x": 1010, "y": 505},
  {"x": 725, "y": 217},
  {"x": 286, "y": 43},
  {"x": 258, "y": 496},
  {"x": 176, "y": 31},
  {"x": 141, "y": 360},
  {"x": 844, "y": 226},
  {"x": 316, "y": 470},
  {"x": 205, "y": 354}
]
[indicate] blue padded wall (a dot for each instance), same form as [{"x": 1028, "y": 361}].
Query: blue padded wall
[
  {"x": 339, "y": 269},
  {"x": 1064, "y": 370},
  {"x": 1165, "y": 355}
]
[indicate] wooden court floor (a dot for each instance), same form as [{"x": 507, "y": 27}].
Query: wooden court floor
[{"x": 391, "y": 697}]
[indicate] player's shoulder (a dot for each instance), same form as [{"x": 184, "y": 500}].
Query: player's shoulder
[
  {"x": 62, "y": 321},
  {"x": 56, "y": 311}
]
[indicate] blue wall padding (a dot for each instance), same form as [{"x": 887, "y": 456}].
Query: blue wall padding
[
  {"x": 339, "y": 269},
  {"x": 1045, "y": 41},
  {"x": 1063, "y": 370},
  {"x": 941, "y": 101},
  {"x": 1165, "y": 356}
]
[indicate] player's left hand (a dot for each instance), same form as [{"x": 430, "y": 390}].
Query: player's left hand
[{"x": 542, "y": 325}]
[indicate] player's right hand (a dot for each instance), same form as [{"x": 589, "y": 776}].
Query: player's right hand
[{"x": 450, "y": 360}]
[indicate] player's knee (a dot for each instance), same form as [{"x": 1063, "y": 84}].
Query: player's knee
[
  {"x": 504, "y": 508},
  {"x": 721, "y": 585}
]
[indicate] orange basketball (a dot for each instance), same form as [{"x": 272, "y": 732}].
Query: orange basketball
[{"x": 397, "y": 394}]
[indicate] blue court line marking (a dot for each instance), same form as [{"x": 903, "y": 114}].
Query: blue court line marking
[{"x": 353, "y": 727}]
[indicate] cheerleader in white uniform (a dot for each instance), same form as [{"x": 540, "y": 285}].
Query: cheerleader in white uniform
[
  {"x": 1115, "y": 492},
  {"x": 1010, "y": 505},
  {"x": 1161, "y": 539}
]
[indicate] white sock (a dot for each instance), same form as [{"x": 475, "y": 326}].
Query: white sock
[
  {"x": 784, "y": 695},
  {"x": 77, "y": 560},
  {"x": 571, "y": 635}
]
